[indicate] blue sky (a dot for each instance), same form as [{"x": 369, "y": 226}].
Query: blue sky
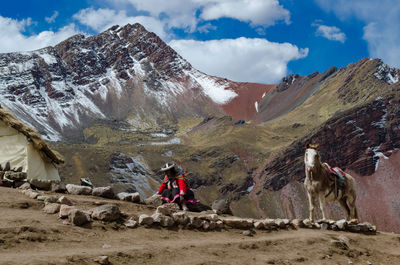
[{"x": 243, "y": 40}]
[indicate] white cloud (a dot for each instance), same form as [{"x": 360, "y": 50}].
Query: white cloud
[
  {"x": 53, "y": 17},
  {"x": 382, "y": 22},
  {"x": 258, "y": 12},
  {"x": 12, "y": 37},
  {"x": 330, "y": 32},
  {"x": 242, "y": 59},
  {"x": 182, "y": 13},
  {"x": 102, "y": 19}
]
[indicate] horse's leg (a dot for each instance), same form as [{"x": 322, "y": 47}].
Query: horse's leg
[
  {"x": 321, "y": 198},
  {"x": 353, "y": 209},
  {"x": 311, "y": 205},
  {"x": 345, "y": 207}
]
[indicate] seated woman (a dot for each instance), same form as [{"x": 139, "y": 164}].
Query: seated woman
[{"x": 175, "y": 188}]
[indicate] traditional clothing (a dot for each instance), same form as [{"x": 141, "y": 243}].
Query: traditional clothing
[{"x": 171, "y": 191}]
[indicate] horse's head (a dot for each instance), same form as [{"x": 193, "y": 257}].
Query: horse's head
[{"x": 311, "y": 155}]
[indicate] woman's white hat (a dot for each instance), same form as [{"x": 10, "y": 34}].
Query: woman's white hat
[{"x": 168, "y": 166}]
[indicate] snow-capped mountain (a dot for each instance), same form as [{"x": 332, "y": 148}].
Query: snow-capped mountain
[{"x": 124, "y": 73}]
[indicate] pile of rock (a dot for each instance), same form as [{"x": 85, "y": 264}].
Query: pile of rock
[{"x": 169, "y": 215}]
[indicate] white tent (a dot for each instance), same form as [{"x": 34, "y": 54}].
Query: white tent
[{"x": 22, "y": 146}]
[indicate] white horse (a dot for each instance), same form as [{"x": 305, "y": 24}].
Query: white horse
[{"x": 319, "y": 184}]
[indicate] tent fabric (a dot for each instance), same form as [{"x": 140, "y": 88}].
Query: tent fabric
[{"x": 18, "y": 149}]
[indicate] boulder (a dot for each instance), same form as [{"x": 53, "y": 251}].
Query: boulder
[
  {"x": 307, "y": 223},
  {"x": 154, "y": 200},
  {"x": 25, "y": 186},
  {"x": 296, "y": 223},
  {"x": 41, "y": 184},
  {"x": 181, "y": 218},
  {"x": 206, "y": 225},
  {"x": 167, "y": 221},
  {"x": 15, "y": 176},
  {"x": 31, "y": 194},
  {"x": 219, "y": 224},
  {"x": 58, "y": 187},
  {"x": 168, "y": 209},
  {"x": 106, "y": 212},
  {"x": 258, "y": 225},
  {"x": 144, "y": 219},
  {"x": 238, "y": 223},
  {"x": 51, "y": 208},
  {"x": 41, "y": 197},
  {"x": 339, "y": 244},
  {"x": 78, "y": 217},
  {"x": 341, "y": 224},
  {"x": 269, "y": 224},
  {"x": 195, "y": 222},
  {"x": 221, "y": 207},
  {"x": 78, "y": 190},
  {"x": 280, "y": 223},
  {"x": 64, "y": 210},
  {"x": 64, "y": 200},
  {"x": 157, "y": 217},
  {"x": 105, "y": 192},
  {"x": 131, "y": 223},
  {"x": 130, "y": 197},
  {"x": 103, "y": 260}
]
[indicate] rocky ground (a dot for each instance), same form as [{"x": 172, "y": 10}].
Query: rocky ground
[{"x": 30, "y": 236}]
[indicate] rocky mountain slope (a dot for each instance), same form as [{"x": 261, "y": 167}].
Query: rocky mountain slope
[{"x": 120, "y": 104}]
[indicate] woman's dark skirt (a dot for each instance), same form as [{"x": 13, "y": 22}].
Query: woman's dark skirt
[{"x": 172, "y": 195}]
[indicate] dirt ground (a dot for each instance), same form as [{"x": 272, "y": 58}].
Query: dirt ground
[{"x": 29, "y": 236}]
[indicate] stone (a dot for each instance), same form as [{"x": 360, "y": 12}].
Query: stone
[
  {"x": 296, "y": 223},
  {"x": 41, "y": 197},
  {"x": 51, "y": 208},
  {"x": 205, "y": 225},
  {"x": 341, "y": 224},
  {"x": 213, "y": 217},
  {"x": 238, "y": 223},
  {"x": 154, "y": 200},
  {"x": 157, "y": 217},
  {"x": 339, "y": 244},
  {"x": 58, "y": 187},
  {"x": 258, "y": 225},
  {"x": 129, "y": 196},
  {"x": 181, "y": 218},
  {"x": 41, "y": 184},
  {"x": 64, "y": 210},
  {"x": 131, "y": 223},
  {"x": 167, "y": 221},
  {"x": 144, "y": 219},
  {"x": 15, "y": 176},
  {"x": 25, "y": 186},
  {"x": 78, "y": 217},
  {"x": 344, "y": 239},
  {"x": 280, "y": 223},
  {"x": 307, "y": 223},
  {"x": 103, "y": 260},
  {"x": 64, "y": 200},
  {"x": 168, "y": 209},
  {"x": 247, "y": 233},
  {"x": 78, "y": 190},
  {"x": 32, "y": 194},
  {"x": 50, "y": 199},
  {"x": 221, "y": 207},
  {"x": 195, "y": 222},
  {"x": 106, "y": 212},
  {"x": 324, "y": 226},
  {"x": 213, "y": 225},
  {"x": 219, "y": 224},
  {"x": 105, "y": 192},
  {"x": 269, "y": 224}
]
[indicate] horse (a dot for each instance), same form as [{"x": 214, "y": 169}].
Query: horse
[{"x": 319, "y": 184}]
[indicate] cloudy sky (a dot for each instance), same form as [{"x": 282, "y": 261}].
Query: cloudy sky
[{"x": 243, "y": 40}]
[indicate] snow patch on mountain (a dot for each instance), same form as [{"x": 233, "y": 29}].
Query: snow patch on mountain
[
  {"x": 386, "y": 73},
  {"x": 217, "y": 92}
]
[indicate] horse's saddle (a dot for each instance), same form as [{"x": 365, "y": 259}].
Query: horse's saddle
[{"x": 336, "y": 175}]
